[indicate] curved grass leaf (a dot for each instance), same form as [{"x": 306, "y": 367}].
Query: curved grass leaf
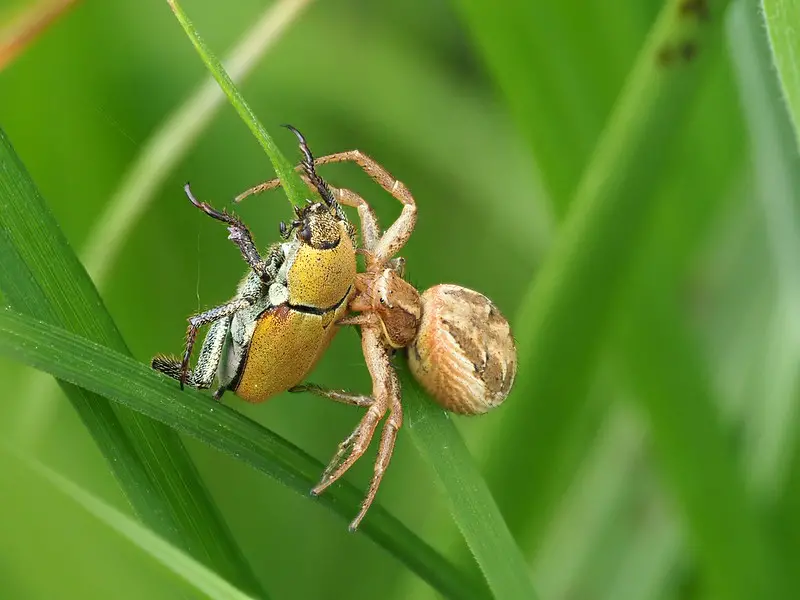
[
  {"x": 560, "y": 66},
  {"x": 122, "y": 379},
  {"x": 471, "y": 502},
  {"x": 198, "y": 576},
  {"x": 777, "y": 175},
  {"x": 783, "y": 18},
  {"x": 566, "y": 313},
  {"x": 40, "y": 275},
  {"x": 173, "y": 138},
  {"x": 296, "y": 190}
]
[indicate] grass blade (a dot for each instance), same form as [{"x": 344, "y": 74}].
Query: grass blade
[
  {"x": 574, "y": 60},
  {"x": 39, "y": 274},
  {"x": 142, "y": 180},
  {"x": 296, "y": 190},
  {"x": 559, "y": 329},
  {"x": 122, "y": 379},
  {"x": 695, "y": 454},
  {"x": 174, "y": 138},
  {"x": 782, "y": 18},
  {"x": 197, "y": 575},
  {"x": 471, "y": 502},
  {"x": 776, "y": 162}
]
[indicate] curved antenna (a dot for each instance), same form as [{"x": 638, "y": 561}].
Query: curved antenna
[{"x": 308, "y": 167}]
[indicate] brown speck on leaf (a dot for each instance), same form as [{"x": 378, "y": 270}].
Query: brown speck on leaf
[
  {"x": 688, "y": 51},
  {"x": 666, "y": 56},
  {"x": 695, "y": 8}
]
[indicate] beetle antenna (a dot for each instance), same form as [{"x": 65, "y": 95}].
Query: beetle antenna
[{"x": 308, "y": 167}]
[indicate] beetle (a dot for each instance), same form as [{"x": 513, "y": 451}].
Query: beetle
[
  {"x": 271, "y": 334},
  {"x": 459, "y": 345}
]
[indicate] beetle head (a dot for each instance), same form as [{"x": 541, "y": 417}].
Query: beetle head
[
  {"x": 315, "y": 225},
  {"x": 318, "y": 224}
]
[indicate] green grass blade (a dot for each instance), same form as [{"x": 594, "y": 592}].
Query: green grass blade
[
  {"x": 783, "y": 18},
  {"x": 174, "y": 138},
  {"x": 134, "y": 196},
  {"x": 122, "y": 379},
  {"x": 566, "y": 313},
  {"x": 560, "y": 66},
  {"x": 778, "y": 143},
  {"x": 296, "y": 190},
  {"x": 203, "y": 580},
  {"x": 692, "y": 446},
  {"x": 777, "y": 172},
  {"x": 471, "y": 502},
  {"x": 40, "y": 275}
]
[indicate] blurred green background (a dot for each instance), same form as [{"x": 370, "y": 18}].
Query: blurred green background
[{"x": 489, "y": 117}]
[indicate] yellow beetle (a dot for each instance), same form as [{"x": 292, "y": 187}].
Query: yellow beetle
[
  {"x": 287, "y": 309},
  {"x": 271, "y": 334}
]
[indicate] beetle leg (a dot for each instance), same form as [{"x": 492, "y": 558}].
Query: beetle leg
[
  {"x": 240, "y": 235},
  {"x": 197, "y": 321},
  {"x": 202, "y": 376},
  {"x": 386, "y": 395}
]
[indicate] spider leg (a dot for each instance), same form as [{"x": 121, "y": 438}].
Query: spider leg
[
  {"x": 385, "y": 449},
  {"x": 335, "y": 395},
  {"x": 386, "y": 396},
  {"x": 370, "y": 228},
  {"x": 393, "y": 238},
  {"x": 397, "y": 235}
]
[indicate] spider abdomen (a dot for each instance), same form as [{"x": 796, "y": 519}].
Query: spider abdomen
[{"x": 464, "y": 354}]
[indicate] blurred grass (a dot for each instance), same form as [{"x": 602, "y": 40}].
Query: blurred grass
[
  {"x": 41, "y": 276},
  {"x": 409, "y": 83},
  {"x": 93, "y": 367},
  {"x": 201, "y": 579},
  {"x": 560, "y": 335}
]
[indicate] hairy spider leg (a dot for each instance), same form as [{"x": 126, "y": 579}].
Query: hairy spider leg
[
  {"x": 385, "y": 398},
  {"x": 394, "y": 238}
]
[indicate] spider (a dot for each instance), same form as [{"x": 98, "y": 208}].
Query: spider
[{"x": 460, "y": 347}]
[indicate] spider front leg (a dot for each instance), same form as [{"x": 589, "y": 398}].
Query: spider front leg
[
  {"x": 385, "y": 397},
  {"x": 400, "y": 231},
  {"x": 370, "y": 228},
  {"x": 383, "y": 248}
]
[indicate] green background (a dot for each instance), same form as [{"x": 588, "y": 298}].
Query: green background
[{"x": 489, "y": 117}]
